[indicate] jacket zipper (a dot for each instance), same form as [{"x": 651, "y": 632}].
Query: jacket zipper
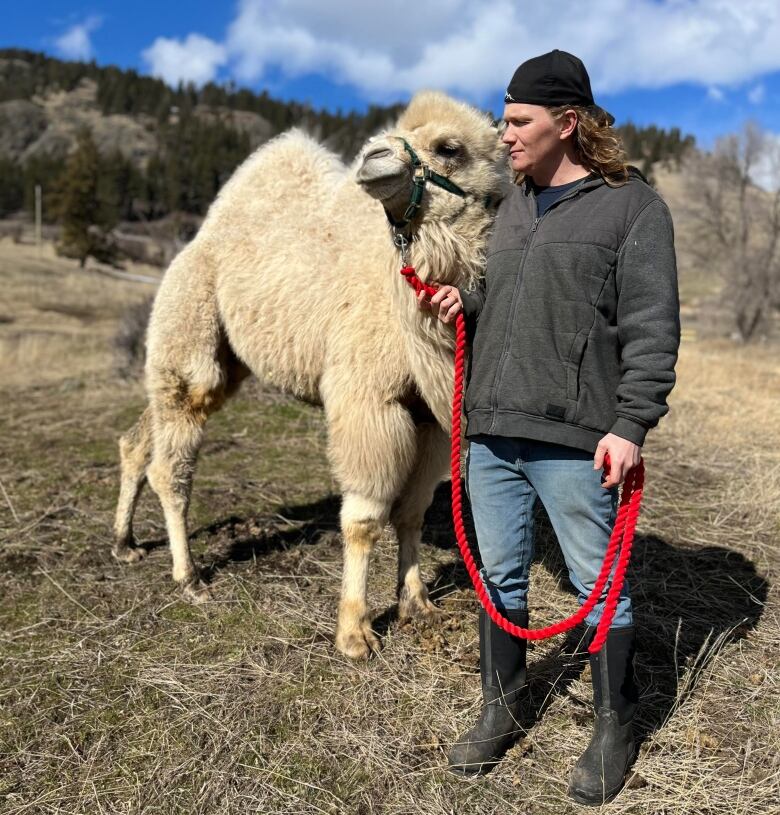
[{"x": 505, "y": 350}]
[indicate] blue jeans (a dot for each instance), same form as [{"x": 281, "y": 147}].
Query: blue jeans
[{"x": 504, "y": 476}]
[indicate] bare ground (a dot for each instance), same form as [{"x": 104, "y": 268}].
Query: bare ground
[{"x": 118, "y": 697}]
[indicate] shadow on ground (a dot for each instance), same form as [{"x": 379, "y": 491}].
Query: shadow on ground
[
  {"x": 235, "y": 539},
  {"x": 684, "y": 598}
]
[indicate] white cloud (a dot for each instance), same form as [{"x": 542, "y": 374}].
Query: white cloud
[
  {"x": 195, "y": 59},
  {"x": 471, "y": 47},
  {"x": 76, "y": 42},
  {"x": 715, "y": 94},
  {"x": 757, "y": 94}
]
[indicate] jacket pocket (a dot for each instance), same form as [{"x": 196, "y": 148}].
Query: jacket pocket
[{"x": 575, "y": 364}]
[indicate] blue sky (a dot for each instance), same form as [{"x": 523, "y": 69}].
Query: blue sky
[{"x": 705, "y": 66}]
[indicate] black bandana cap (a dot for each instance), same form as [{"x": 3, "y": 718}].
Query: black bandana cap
[{"x": 554, "y": 79}]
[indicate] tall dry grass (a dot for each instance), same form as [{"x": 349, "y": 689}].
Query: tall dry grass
[{"x": 58, "y": 321}]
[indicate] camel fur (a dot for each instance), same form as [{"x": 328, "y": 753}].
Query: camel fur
[{"x": 294, "y": 277}]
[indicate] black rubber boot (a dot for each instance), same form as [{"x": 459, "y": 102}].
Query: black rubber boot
[
  {"x": 601, "y": 770},
  {"x": 502, "y": 666}
]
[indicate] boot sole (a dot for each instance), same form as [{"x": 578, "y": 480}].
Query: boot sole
[
  {"x": 597, "y": 800},
  {"x": 463, "y": 772}
]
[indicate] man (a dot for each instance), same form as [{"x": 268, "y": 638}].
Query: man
[{"x": 574, "y": 336}]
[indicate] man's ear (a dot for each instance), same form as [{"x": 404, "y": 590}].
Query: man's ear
[{"x": 568, "y": 123}]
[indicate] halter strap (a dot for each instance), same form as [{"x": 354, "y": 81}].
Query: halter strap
[{"x": 422, "y": 173}]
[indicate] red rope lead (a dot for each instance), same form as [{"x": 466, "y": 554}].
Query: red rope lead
[{"x": 618, "y": 551}]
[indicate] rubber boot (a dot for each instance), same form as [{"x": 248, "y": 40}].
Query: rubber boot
[
  {"x": 601, "y": 770},
  {"x": 502, "y": 667}
]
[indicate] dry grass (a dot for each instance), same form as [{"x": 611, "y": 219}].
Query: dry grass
[
  {"x": 57, "y": 320},
  {"x": 117, "y": 697}
]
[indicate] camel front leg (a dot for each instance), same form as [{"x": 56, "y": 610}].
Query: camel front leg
[
  {"x": 372, "y": 449},
  {"x": 412, "y": 592},
  {"x": 430, "y": 467},
  {"x": 362, "y": 522}
]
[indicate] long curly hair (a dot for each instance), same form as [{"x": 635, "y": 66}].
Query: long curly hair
[{"x": 597, "y": 145}]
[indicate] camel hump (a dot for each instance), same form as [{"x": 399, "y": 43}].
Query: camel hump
[{"x": 286, "y": 172}]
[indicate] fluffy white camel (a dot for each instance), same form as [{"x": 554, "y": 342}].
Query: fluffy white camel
[{"x": 294, "y": 277}]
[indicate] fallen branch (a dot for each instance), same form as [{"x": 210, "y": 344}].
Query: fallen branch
[{"x": 133, "y": 278}]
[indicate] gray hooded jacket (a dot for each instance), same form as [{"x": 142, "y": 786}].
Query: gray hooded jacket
[{"x": 575, "y": 327}]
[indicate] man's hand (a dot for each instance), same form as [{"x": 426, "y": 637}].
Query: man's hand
[
  {"x": 623, "y": 455},
  {"x": 445, "y": 303}
]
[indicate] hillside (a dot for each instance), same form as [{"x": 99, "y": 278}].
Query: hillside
[
  {"x": 169, "y": 150},
  {"x": 165, "y": 152}
]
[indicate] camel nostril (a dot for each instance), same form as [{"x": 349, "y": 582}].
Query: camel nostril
[{"x": 378, "y": 152}]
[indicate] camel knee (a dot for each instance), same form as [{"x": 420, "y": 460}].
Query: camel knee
[
  {"x": 359, "y": 539},
  {"x": 362, "y": 523},
  {"x": 178, "y": 433},
  {"x": 361, "y": 511},
  {"x": 134, "y": 453},
  {"x": 362, "y": 535},
  {"x": 171, "y": 483}
]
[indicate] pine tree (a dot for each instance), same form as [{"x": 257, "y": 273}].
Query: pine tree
[{"x": 84, "y": 215}]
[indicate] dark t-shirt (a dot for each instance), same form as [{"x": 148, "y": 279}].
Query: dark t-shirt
[{"x": 547, "y": 196}]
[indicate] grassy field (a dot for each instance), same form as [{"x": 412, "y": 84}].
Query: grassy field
[{"x": 118, "y": 697}]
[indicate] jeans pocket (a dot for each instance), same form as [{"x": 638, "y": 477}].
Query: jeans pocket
[{"x": 466, "y": 469}]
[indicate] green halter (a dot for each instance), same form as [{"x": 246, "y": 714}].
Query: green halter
[{"x": 422, "y": 173}]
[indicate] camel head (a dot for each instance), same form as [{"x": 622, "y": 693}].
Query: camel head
[{"x": 465, "y": 176}]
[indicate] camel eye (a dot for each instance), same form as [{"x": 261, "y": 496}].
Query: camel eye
[{"x": 447, "y": 150}]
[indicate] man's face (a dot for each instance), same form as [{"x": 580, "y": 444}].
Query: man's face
[{"x": 533, "y": 138}]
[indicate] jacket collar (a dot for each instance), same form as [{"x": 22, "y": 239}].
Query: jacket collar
[{"x": 590, "y": 181}]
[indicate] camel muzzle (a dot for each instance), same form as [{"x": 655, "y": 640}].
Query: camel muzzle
[{"x": 381, "y": 166}]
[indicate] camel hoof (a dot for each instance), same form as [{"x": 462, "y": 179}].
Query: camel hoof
[
  {"x": 196, "y": 591},
  {"x": 358, "y": 644},
  {"x": 417, "y": 607},
  {"x": 128, "y": 554}
]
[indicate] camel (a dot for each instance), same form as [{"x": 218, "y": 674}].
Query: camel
[{"x": 294, "y": 277}]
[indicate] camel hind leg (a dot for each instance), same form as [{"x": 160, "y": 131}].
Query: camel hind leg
[
  {"x": 135, "y": 453},
  {"x": 162, "y": 447},
  {"x": 179, "y": 412},
  {"x": 178, "y": 419}
]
